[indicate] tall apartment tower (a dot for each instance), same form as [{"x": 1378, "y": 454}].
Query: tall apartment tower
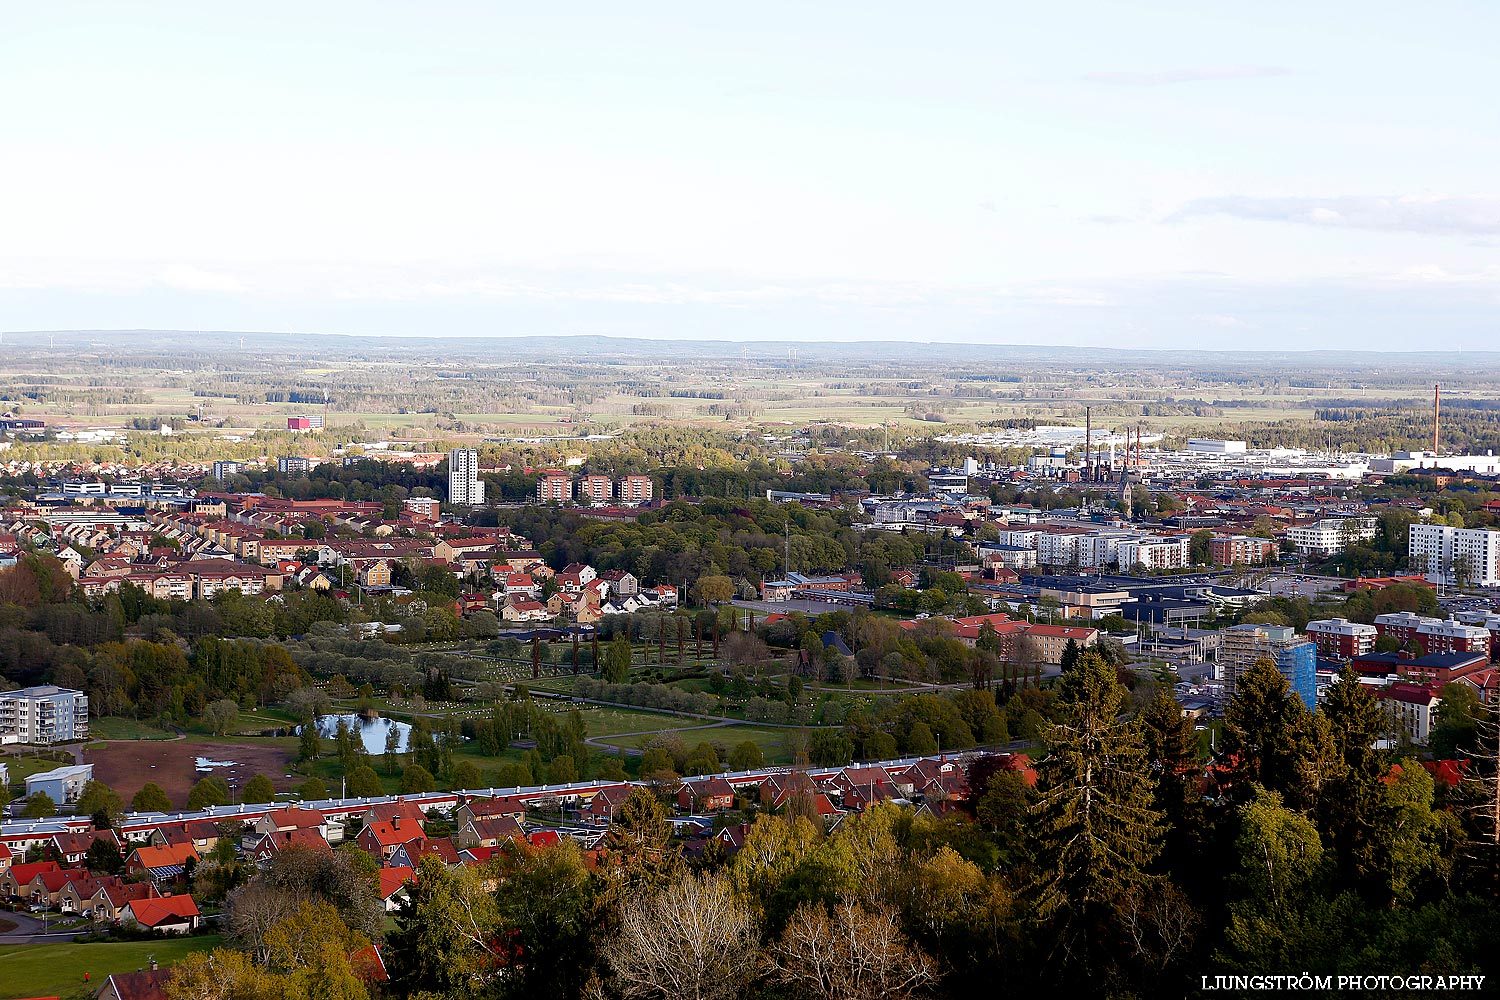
[{"x": 465, "y": 488}]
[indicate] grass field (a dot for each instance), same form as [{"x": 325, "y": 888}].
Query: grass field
[
  {"x": 616, "y": 721},
  {"x": 772, "y": 742},
  {"x": 116, "y": 728},
  {"x": 48, "y": 970}
]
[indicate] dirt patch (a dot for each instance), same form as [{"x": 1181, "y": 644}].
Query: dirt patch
[{"x": 127, "y": 765}]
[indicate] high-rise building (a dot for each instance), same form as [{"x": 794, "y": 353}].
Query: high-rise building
[
  {"x": 596, "y": 489},
  {"x": 293, "y": 464},
  {"x": 223, "y": 470},
  {"x": 465, "y": 488},
  {"x": 1461, "y": 556},
  {"x": 635, "y": 489},
  {"x": 1294, "y": 656},
  {"x": 554, "y": 486},
  {"x": 43, "y": 714}
]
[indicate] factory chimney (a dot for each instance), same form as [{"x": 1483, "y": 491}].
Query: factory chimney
[{"x": 1437, "y": 409}]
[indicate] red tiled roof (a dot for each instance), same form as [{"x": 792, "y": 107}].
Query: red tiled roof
[{"x": 162, "y": 910}]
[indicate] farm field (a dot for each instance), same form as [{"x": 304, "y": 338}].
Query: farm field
[{"x": 56, "y": 970}]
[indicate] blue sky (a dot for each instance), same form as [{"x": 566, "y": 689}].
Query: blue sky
[{"x": 1149, "y": 174}]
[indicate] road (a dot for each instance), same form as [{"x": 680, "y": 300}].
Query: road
[{"x": 29, "y": 931}]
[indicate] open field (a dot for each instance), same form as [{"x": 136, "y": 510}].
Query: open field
[
  {"x": 117, "y": 728},
  {"x": 126, "y": 766},
  {"x": 56, "y": 970}
]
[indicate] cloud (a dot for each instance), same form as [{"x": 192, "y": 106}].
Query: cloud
[
  {"x": 1425, "y": 215},
  {"x": 1201, "y": 74}
]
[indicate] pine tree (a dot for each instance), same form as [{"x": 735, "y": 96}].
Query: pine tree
[{"x": 1096, "y": 829}]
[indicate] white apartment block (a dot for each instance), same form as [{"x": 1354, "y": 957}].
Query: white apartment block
[
  {"x": 1155, "y": 552},
  {"x": 465, "y": 488},
  {"x": 43, "y": 714},
  {"x": 1329, "y": 536},
  {"x": 1102, "y": 548},
  {"x": 1057, "y": 548},
  {"x": 1445, "y": 554},
  {"x": 1024, "y": 538}
]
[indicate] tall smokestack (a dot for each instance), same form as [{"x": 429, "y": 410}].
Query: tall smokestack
[
  {"x": 1088, "y": 441},
  {"x": 1437, "y": 409}
]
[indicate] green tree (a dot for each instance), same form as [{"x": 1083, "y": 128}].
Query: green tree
[
  {"x": 39, "y": 805},
  {"x": 1096, "y": 829},
  {"x": 1173, "y": 752},
  {"x": 1262, "y": 735},
  {"x": 151, "y": 798},
  {"x": 746, "y": 756},
  {"x": 364, "y": 783},
  {"x": 1069, "y": 658},
  {"x": 466, "y": 775},
  {"x": 1198, "y": 547},
  {"x": 209, "y": 791},
  {"x": 103, "y": 857},
  {"x": 258, "y": 789},
  {"x": 416, "y": 778},
  {"x": 616, "y": 666},
  {"x": 549, "y": 910},
  {"x": 1455, "y": 728},
  {"x": 445, "y": 942},
  {"x": 713, "y": 588},
  {"x": 98, "y": 799},
  {"x": 1356, "y": 722},
  {"x": 312, "y": 790},
  {"x": 310, "y": 747}
]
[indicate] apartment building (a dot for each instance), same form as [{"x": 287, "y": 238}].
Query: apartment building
[
  {"x": 1458, "y": 556},
  {"x": 597, "y": 490},
  {"x": 1329, "y": 536},
  {"x": 1293, "y": 655},
  {"x": 1341, "y": 639},
  {"x": 291, "y": 465},
  {"x": 1241, "y": 550},
  {"x": 43, "y": 714},
  {"x": 1156, "y": 552},
  {"x": 635, "y": 490},
  {"x": 554, "y": 487},
  {"x": 1434, "y": 635},
  {"x": 465, "y": 488}
]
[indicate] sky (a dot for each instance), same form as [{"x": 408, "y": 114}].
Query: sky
[{"x": 1174, "y": 175}]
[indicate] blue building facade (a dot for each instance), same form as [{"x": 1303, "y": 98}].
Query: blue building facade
[{"x": 1298, "y": 664}]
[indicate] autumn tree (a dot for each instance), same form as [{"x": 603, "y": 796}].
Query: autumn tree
[
  {"x": 692, "y": 939},
  {"x": 854, "y": 953}
]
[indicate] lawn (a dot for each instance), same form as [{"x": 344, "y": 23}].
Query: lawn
[
  {"x": 616, "y": 721},
  {"x": 118, "y": 728},
  {"x": 772, "y": 742},
  {"x": 45, "y": 970},
  {"x": 21, "y": 768}
]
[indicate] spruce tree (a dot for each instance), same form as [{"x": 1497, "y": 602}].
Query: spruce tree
[
  {"x": 1174, "y": 755},
  {"x": 1096, "y": 829},
  {"x": 1349, "y": 809},
  {"x": 1263, "y": 731}
]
